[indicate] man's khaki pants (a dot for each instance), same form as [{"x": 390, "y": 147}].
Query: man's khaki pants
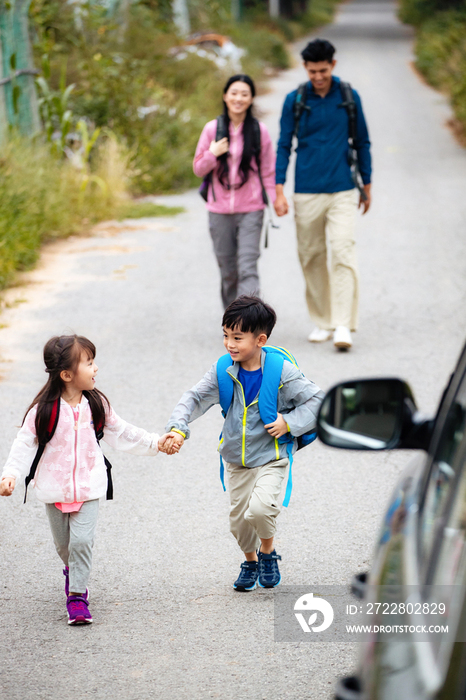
[
  {"x": 332, "y": 285},
  {"x": 254, "y": 499}
]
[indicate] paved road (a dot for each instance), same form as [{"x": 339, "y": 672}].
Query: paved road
[{"x": 167, "y": 622}]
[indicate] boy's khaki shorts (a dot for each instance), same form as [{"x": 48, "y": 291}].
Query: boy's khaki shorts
[{"x": 255, "y": 501}]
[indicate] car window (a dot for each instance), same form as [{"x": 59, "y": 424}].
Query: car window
[{"x": 447, "y": 463}]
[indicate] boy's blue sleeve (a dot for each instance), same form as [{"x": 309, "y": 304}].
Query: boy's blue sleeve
[
  {"x": 362, "y": 144},
  {"x": 194, "y": 403},
  {"x": 285, "y": 139},
  {"x": 299, "y": 400}
]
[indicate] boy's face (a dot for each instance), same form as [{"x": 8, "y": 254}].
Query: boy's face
[{"x": 243, "y": 347}]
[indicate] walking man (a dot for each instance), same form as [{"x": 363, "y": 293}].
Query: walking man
[{"x": 333, "y": 158}]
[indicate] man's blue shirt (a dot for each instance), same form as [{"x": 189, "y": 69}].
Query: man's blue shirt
[{"x": 322, "y": 153}]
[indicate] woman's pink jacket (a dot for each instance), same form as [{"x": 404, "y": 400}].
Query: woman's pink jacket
[
  {"x": 72, "y": 468},
  {"x": 248, "y": 197}
]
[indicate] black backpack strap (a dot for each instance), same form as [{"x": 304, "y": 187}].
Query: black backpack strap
[
  {"x": 256, "y": 140},
  {"x": 221, "y": 128},
  {"x": 350, "y": 105},
  {"x": 40, "y": 450},
  {"x": 299, "y": 107},
  {"x": 207, "y": 180},
  {"x": 219, "y": 134},
  {"x": 32, "y": 471},
  {"x": 99, "y": 433}
]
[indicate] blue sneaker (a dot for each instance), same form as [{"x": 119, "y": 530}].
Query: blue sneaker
[
  {"x": 269, "y": 574},
  {"x": 247, "y": 579}
]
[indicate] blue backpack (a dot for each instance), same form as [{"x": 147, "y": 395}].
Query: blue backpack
[{"x": 268, "y": 397}]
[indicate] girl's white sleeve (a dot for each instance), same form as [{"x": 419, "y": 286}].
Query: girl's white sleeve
[
  {"x": 23, "y": 450},
  {"x": 127, "y": 438}
]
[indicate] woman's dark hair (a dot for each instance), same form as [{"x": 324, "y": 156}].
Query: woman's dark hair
[
  {"x": 249, "y": 314},
  {"x": 318, "y": 50},
  {"x": 64, "y": 353},
  {"x": 248, "y": 136}
]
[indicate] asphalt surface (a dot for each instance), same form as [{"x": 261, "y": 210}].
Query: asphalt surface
[{"x": 168, "y": 623}]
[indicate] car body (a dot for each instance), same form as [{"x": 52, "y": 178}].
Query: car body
[{"x": 421, "y": 548}]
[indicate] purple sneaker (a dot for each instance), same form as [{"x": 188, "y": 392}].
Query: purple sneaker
[
  {"x": 78, "y": 610},
  {"x": 66, "y": 574}
]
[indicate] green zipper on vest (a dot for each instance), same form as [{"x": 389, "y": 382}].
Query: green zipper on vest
[{"x": 245, "y": 415}]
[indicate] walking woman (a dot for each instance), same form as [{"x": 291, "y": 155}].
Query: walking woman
[{"x": 237, "y": 161}]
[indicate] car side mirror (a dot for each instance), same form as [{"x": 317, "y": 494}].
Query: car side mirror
[{"x": 372, "y": 414}]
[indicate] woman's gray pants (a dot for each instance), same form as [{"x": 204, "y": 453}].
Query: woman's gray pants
[
  {"x": 236, "y": 239},
  {"x": 73, "y": 534}
]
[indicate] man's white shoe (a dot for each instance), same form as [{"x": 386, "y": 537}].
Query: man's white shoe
[
  {"x": 342, "y": 338},
  {"x": 319, "y": 335}
]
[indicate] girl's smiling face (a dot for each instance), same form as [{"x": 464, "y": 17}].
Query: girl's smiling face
[
  {"x": 83, "y": 378},
  {"x": 238, "y": 98}
]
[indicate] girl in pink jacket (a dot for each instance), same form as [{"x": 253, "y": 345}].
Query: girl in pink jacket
[
  {"x": 242, "y": 177},
  {"x": 71, "y": 474}
]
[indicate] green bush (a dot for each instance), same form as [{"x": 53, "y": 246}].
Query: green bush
[
  {"x": 441, "y": 49},
  {"x": 320, "y": 12},
  {"x": 43, "y": 197},
  {"x": 441, "y": 56},
  {"x": 134, "y": 82},
  {"x": 418, "y": 11}
]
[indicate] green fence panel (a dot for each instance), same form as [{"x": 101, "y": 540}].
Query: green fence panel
[{"x": 18, "y": 101}]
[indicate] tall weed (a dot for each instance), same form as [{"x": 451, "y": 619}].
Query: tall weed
[{"x": 41, "y": 198}]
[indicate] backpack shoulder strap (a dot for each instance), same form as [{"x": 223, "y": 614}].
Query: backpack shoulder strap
[
  {"x": 225, "y": 382},
  {"x": 256, "y": 141},
  {"x": 288, "y": 355},
  {"x": 299, "y": 106},
  {"x": 221, "y": 128},
  {"x": 256, "y": 136},
  {"x": 268, "y": 394},
  {"x": 52, "y": 426},
  {"x": 207, "y": 181},
  {"x": 99, "y": 433},
  {"x": 350, "y": 105}
]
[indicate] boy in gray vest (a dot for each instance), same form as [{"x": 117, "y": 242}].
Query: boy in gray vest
[{"x": 256, "y": 461}]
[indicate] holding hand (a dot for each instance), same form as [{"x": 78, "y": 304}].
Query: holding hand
[
  {"x": 170, "y": 443},
  {"x": 278, "y": 427},
  {"x": 7, "y": 485},
  {"x": 218, "y": 148}
]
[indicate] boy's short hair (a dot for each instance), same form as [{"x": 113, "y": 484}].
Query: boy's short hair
[
  {"x": 250, "y": 315},
  {"x": 318, "y": 50}
]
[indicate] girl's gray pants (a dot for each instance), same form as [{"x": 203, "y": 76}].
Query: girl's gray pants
[
  {"x": 73, "y": 534},
  {"x": 236, "y": 239}
]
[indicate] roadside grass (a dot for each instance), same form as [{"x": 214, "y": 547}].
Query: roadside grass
[
  {"x": 138, "y": 210},
  {"x": 441, "y": 53},
  {"x": 43, "y": 197}
]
